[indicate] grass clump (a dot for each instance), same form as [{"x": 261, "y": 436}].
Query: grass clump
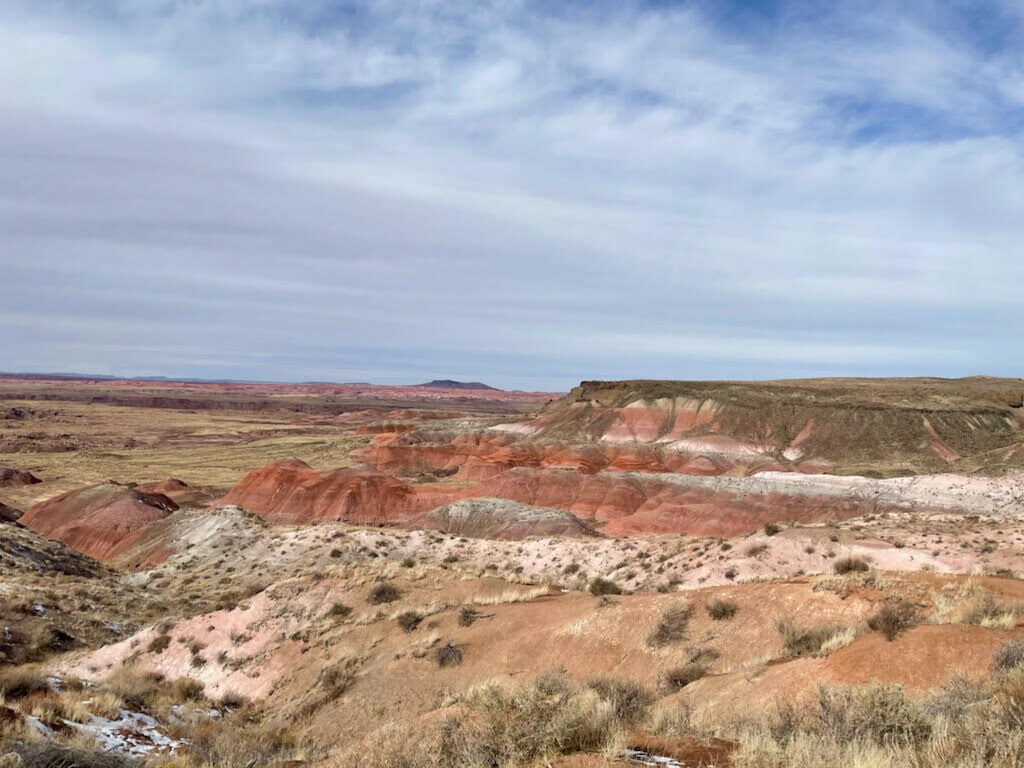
[
  {"x": 672, "y": 625},
  {"x": 850, "y": 565},
  {"x": 600, "y": 586},
  {"x": 1009, "y": 656},
  {"x": 805, "y": 641},
  {"x": 20, "y": 682},
  {"x": 340, "y": 611},
  {"x": 409, "y": 620},
  {"x": 678, "y": 678},
  {"x": 383, "y": 592},
  {"x": 721, "y": 609},
  {"x": 448, "y": 655},
  {"x": 894, "y": 618},
  {"x": 159, "y": 644}
]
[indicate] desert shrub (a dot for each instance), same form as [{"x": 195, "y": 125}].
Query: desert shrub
[
  {"x": 383, "y": 592},
  {"x": 601, "y": 586},
  {"x": 188, "y": 689},
  {"x": 1009, "y": 656},
  {"x": 804, "y": 641},
  {"x": 982, "y": 609},
  {"x": 756, "y": 549},
  {"x": 671, "y": 626},
  {"x": 338, "y": 611},
  {"x": 409, "y": 620},
  {"x": 875, "y": 713},
  {"x": 46, "y": 754},
  {"x": 448, "y": 655},
  {"x": 19, "y": 682},
  {"x": 159, "y": 644},
  {"x": 720, "y": 608},
  {"x": 408, "y": 562},
  {"x": 678, "y": 678},
  {"x": 571, "y": 568},
  {"x": 242, "y": 738},
  {"x": 629, "y": 701},
  {"x": 468, "y": 615},
  {"x": 850, "y": 565},
  {"x": 770, "y": 529},
  {"x": 894, "y": 618}
]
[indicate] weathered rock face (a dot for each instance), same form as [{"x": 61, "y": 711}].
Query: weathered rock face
[
  {"x": 10, "y": 477},
  {"x": 290, "y": 491},
  {"x": 101, "y": 520},
  {"x": 499, "y": 519}
]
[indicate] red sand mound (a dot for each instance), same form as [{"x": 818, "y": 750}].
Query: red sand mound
[
  {"x": 290, "y": 491},
  {"x": 101, "y": 520},
  {"x": 10, "y": 477}
]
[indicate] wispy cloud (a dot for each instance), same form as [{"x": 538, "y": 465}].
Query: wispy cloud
[{"x": 510, "y": 191}]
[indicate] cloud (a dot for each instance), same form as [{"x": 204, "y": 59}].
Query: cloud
[{"x": 503, "y": 191}]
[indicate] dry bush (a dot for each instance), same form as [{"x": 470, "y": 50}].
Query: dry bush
[
  {"x": 339, "y": 611},
  {"x": 46, "y": 754},
  {"x": 531, "y": 725},
  {"x": 19, "y": 682},
  {"x": 409, "y": 620},
  {"x": 805, "y": 641},
  {"x": 1009, "y": 656},
  {"x": 894, "y": 618},
  {"x": 720, "y": 609},
  {"x": 678, "y": 678},
  {"x": 630, "y": 702},
  {"x": 238, "y": 739},
  {"x": 159, "y": 644},
  {"x": 850, "y": 565},
  {"x": 600, "y": 586},
  {"x": 671, "y": 626},
  {"x": 383, "y": 592},
  {"x": 448, "y": 655}
]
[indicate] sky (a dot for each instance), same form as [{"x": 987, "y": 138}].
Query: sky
[{"x": 523, "y": 193}]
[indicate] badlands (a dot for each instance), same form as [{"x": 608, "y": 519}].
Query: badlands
[{"x": 789, "y": 573}]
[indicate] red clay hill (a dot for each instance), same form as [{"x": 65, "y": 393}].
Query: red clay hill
[{"x": 101, "y": 520}]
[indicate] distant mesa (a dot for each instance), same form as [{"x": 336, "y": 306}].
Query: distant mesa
[
  {"x": 8, "y": 514},
  {"x": 100, "y": 520},
  {"x": 10, "y": 477},
  {"x": 452, "y": 384}
]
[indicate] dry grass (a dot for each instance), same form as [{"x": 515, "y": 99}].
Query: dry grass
[{"x": 672, "y": 625}]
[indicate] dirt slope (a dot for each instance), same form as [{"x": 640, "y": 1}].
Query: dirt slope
[{"x": 488, "y": 518}]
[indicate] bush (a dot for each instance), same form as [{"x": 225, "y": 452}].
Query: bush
[
  {"x": 770, "y": 529},
  {"x": 338, "y": 611},
  {"x": 875, "y": 713},
  {"x": 678, "y": 678},
  {"x": 408, "y": 562},
  {"x": 19, "y": 682},
  {"x": 448, "y": 655},
  {"x": 600, "y": 586},
  {"x": 159, "y": 644},
  {"x": 1009, "y": 656},
  {"x": 894, "y": 618},
  {"x": 188, "y": 689},
  {"x": 720, "y": 609},
  {"x": 46, "y": 754},
  {"x": 804, "y": 641},
  {"x": 629, "y": 701},
  {"x": 468, "y": 615},
  {"x": 383, "y": 592},
  {"x": 850, "y": 565},
  {"x": 672, "y": 625},
  {"x": 409, "y": 620}
]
